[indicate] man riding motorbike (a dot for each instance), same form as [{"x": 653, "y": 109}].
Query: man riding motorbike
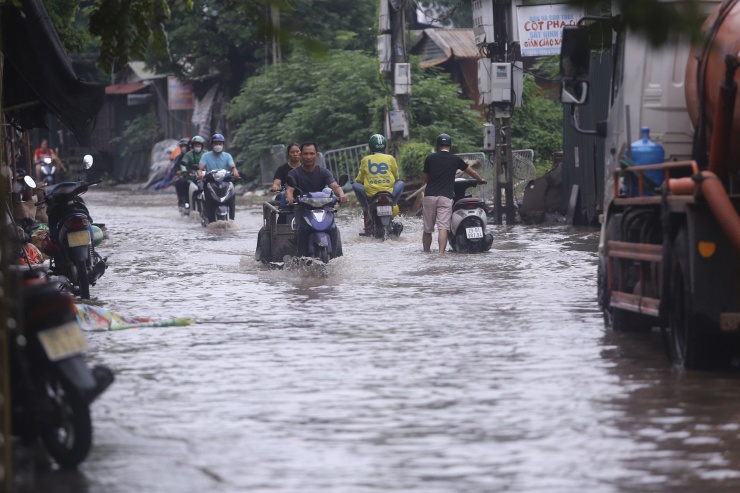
[
  {"x": 189, "y": 161},
  {"x": 378, "y": 173},
  {"x": 217, "y": 159},
  {"x": 312, "y": 178}
]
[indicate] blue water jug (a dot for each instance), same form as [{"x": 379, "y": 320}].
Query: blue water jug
[{"x": 645, "y": 151}]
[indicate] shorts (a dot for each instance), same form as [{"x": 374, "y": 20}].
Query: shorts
[{"x": 437, "y": 210}]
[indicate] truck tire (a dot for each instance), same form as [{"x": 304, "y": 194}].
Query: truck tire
[
  {"x": 263, "y": 252},
  {"x": 689, "y": 345}
]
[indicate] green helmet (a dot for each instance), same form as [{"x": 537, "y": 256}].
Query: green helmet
[{"x": 377, "y": 143}]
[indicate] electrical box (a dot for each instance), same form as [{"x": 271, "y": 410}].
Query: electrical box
[
  {"x": 483, "y": 21},
  {"x": 501, "y": 82},
  {"x": 402, "y": 79},
  {"x": 384, "y": 52},
  {"x": 489, "y": 137}
]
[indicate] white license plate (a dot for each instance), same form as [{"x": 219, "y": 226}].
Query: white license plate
[
  {"x": 63, "y": 341},
  {"x": 385, "y": 210},
  {"x": 78, "y": 238},
  {"x": 476, "y": 232}
]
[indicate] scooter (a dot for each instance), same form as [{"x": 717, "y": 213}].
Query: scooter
[
  {"x": 195, "y": 198},
  {"x": 218, "y": 197},
  {"x": 49, "y": 171},
  {"x": 468, "y": 226},
  {"x": 72, "y": 231},
  {"x": 51, "y": 385},
  {"x": 380, "y": 208},
  {"x": 317, "y": 234}
]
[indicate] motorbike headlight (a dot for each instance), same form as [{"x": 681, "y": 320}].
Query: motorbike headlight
[{"x": 317, "y": 202}]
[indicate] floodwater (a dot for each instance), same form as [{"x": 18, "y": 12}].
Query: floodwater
[{"x": 398, "y": 372}]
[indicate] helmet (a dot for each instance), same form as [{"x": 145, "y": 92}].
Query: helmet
[
  {"x": 377, "y": 143},
  {"x": 198, "y": 140},
  {"x": 444, "y": 140},
  {"x": 217, "y": 138},
  {"x": 184, "y": 141}
]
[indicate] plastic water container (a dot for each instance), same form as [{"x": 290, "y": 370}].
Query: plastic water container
[{"x": 645, "y": 151}]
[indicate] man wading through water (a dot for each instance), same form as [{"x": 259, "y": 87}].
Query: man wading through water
[{"x": 439, "y": 177}]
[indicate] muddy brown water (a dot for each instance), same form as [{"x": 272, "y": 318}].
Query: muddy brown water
[{"x": 399, "y": 372}]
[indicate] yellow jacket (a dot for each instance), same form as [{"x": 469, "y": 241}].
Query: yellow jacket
[{"x": 378, "y": 173}]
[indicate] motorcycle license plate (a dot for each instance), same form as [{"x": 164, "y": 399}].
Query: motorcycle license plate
[
  {"x": 78, "y": 238},
  {"x": 63, "y": 341},
  {"x": 476, "y": 232},
  {"x": 385, "y": 210}
]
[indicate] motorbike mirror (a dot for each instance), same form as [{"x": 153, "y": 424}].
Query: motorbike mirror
[
  {"x": 343, "y": 179},
  {"x": 291, "y": 181},
  {"x": 88, "y": 161},
  {"x": 29, "y": 181}
]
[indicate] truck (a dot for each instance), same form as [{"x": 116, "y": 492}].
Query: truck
[{"x": 669, "y": 254}]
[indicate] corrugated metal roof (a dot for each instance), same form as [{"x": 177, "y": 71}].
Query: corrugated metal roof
[
  {"x": 124, "y": 88},
  {"x": 439, "y": 45}
]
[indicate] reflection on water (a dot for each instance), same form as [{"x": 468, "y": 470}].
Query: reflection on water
[{"x": 400, "y": 371}]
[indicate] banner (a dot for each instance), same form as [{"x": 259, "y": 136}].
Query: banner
[
  {"x": 202, "y": 112},
  {"x": 541, "y": 27},
  {"x": 180, "y": 95}
]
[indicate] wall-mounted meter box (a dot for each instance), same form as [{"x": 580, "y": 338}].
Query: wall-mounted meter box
[
  {"x": 483, "y": 21},
  {"x": 384, "y": 52},
  {"x": 501, "y": 82},
  {"x": 489, "y": 137},
  {"x": 402, "y": 79}
]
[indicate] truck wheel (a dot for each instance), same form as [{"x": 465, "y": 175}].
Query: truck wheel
[{"x": 688, "y": 344}]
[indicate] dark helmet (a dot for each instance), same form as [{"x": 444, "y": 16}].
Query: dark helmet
[
  {"x": 444, "y": 140},
  {"x": 217, "y": 138},
  {"x": 184, "y": 141},
  {"x": 20, "y": 172},
  {"x": 198, "y": 140},
  {"x": 377, "y": 143}
]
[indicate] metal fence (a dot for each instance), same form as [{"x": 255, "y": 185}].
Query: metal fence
[
  {"x": 345, "y": 160},
  {"x": 522, "y": 172}
]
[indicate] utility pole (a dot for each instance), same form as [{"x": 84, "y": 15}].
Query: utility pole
[
  {"x": 492, "y": 20},
  {"x": 394, "y": 60}
]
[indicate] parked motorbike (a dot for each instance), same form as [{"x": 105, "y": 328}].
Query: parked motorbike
[
  {"x": 51, "y": 385},
  {"x": 218, "y": 197},
  {"x": 72, "y": 231},
  {"x": 49, "y": 171},
  {"x": 380, "y": 207},
  {"x": 468, "y": 227},
  {"x": 318, "y": 235}
]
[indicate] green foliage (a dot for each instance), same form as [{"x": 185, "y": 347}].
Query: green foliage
[
  {"x": 448, "y": 13},
  {"x": 139, "y": 135},
  {"x": 538, "y": 124},
  {"x": 436, "y": 108},
  {"x": 411, "y": 159},
  {"x": 339, "y": 102}
]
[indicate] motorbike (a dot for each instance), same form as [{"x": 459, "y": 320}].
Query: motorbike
[
  {"x": 195, "y": 193},
  {"x": 317, "y": 234},
  {"x": 52, "y": 387},
  {"x": 218, "y": 197},
  {"x": 468, "y": 225},
  {"x": 72, "y": 231},
  {"x": 49, "y": 171},
  {"x": 381, "y": 211}
]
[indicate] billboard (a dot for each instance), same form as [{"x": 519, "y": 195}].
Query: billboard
[{"x": 541, "y": 27}]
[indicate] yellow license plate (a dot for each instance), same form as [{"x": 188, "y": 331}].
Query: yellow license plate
[
  {"x": 63, "y": 341},
  {"x": 78, "y": 238}
]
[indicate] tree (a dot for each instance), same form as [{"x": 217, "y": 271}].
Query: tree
[{"x": 338, "y": 103}]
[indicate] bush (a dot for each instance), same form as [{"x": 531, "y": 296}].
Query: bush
[{"x": 411, "y": 159}]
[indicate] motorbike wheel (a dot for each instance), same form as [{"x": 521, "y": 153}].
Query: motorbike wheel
[
  {"x": 69, "y": 437},
  {"x": 83, "y": 279},
  {"x": 460, "y": 243},
  {"x": 324, "y": 254}
]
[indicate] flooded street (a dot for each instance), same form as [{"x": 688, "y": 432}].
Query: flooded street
[{"x": 399, "y": 372}]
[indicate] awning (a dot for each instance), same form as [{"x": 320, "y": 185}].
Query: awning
[
  {"x": 124, "y": 88},
  {"x": 38, "y": 78}
]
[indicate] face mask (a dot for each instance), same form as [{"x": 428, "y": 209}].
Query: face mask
[
  {"x": 218, "y": 148},
  {"x": 197, "y": 148}
]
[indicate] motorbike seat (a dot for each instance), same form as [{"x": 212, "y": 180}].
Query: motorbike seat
[{"x": 466, "y": 203}]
